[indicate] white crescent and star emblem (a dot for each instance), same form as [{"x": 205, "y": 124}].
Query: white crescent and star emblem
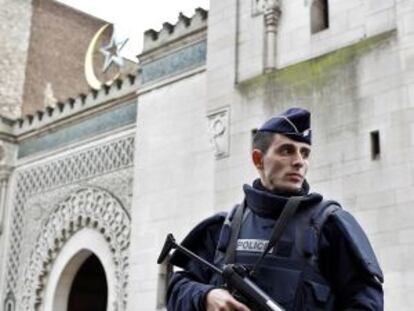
[{"x": 111, "y": 53}]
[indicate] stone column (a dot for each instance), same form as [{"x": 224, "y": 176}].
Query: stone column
[
  {"x": 271, "y": 19},
  {"x": 4, "y": 181}
]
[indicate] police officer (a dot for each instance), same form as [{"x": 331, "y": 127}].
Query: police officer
[{"x": 322, "y": 260}]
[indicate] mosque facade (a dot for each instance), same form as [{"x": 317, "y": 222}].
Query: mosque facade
[{"x": 91, "y": 185}]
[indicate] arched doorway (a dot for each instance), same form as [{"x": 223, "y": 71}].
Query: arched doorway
[
  {"x": 89, "y": 289},
  {"x": 84, "y": 266}
]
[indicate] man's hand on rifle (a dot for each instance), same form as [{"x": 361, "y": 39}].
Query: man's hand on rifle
[{"x": 220, "y": 300}]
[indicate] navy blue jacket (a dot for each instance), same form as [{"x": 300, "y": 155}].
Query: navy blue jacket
[{"x": 355, "y": 285}]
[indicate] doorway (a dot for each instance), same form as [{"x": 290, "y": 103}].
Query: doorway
[{"x": 89, "y": 289}]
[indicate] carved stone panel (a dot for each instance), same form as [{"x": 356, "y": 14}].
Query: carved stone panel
[
  {"x": 53, "y": 179},
  {"x": 219, "y": 128},
  {"x": 260, "y": 6}
]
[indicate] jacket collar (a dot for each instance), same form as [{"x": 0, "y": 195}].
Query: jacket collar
[{"x": 270, "y": 204}]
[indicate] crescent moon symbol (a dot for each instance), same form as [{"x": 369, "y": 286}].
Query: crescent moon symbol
[{"x": 91, "y": 78}]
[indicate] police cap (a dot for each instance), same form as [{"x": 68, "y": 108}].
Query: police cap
[{"x": 293, "y": 123}]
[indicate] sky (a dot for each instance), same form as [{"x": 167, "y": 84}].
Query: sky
[{"x": 132, "y": 17}]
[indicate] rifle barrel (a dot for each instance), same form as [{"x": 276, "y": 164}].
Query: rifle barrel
[{"x": 192, "y": 255}]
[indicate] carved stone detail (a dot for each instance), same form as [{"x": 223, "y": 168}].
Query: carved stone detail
[
  {"x": 86, "y": 208},
  {"x": 10, "y": 302},
  {"x": 271, "y": 11},
  {"x": 260, "y": 6},
  {"x": 271, "y": 19},
  {"x": 49, "y": 97},
  {"x": 5, "y": 171},
  {"x": 219, "y": 132},
  {"x": 69, "y": 169}
]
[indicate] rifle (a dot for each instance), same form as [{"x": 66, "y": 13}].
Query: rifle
[{"x": 235, "y": 277}]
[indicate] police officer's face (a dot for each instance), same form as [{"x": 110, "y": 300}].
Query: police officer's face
[{"x": 284, "y": 165}]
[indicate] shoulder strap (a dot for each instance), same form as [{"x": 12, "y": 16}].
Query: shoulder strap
[
  {"x": 225, "y": 236},
  {"x": 326, "y": 209},
  {"x": 236, "y": 223},
  {"x": 312, "y": 234}
]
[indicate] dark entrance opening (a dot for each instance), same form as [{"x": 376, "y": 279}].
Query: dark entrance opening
[{"x": 89, "y": 290}]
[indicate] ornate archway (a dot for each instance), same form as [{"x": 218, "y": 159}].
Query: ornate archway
[{"x": 92, "y": 212}]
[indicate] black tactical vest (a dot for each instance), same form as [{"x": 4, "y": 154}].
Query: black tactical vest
[{"x": 289, "y": 273}]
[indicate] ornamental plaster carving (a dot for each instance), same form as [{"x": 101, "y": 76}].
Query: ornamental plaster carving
[
  {"x": 70, "y": 169},
  {"x": 49, "y": 97},
  {"x": 5, "y": 171},
  {"x": 10, "y": 302},
  {"x": 271, "y": 20},
  {"x": 260, "y": 6},
  {"x": 91, "y": 208},
  {"x": 219, "y": 132}
]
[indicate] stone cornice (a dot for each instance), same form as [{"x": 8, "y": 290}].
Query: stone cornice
[
  {"x": 169, "y": 34},
  {"x": 69, "y": 109}
]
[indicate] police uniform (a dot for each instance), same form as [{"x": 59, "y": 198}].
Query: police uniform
[{"x": 322, "y": 261}]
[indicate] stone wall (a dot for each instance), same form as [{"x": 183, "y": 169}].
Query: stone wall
[
  {"x": 349, "y": 22},
  {"x": 174, "y": 166},
  {"x": 173, "y": 178},
  {"x": 15, "y": 32}
]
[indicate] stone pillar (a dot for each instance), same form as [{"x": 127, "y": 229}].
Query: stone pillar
[
  {"x": 271, "y": 19},
  {"x": 8, "y": 157},
  {"x": 4, "y": 181}
]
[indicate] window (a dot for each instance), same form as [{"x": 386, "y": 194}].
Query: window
[
  {"x": 375, "y": 145},
  {"x": 253, "y": 134},
  {"x": 319, "y": 16}
]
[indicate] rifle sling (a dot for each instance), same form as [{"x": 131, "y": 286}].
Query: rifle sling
[
  {"x": 288, "y": 211},
  {"x": 235, "y": 230}
]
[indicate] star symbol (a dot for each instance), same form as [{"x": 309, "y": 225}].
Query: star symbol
[{"x": 111, "y": 52}]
